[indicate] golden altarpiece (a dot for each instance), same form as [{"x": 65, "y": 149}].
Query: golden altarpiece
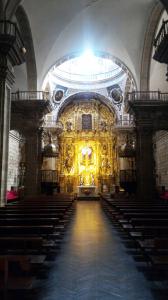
[{"x": 87, "y": 162}]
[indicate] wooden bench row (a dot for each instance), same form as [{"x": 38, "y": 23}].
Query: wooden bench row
[
  {"x": 29, "y": 232},
  {"x": 145, "y": 223}
]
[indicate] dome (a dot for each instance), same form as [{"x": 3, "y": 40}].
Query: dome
[{"x": 85, "y": 71}]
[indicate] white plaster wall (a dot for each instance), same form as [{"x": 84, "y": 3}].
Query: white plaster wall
[
  {"x": 158, "y": 77},
  {"x": 20, "y": 74}
]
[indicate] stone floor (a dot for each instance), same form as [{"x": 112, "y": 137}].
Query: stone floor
[{"x": 94, "y": 263}]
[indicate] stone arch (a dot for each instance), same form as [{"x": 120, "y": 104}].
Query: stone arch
[
  {"x": 25, "y": 30},
  {"x": 148, "y": 44},
  {"x": 91, "y": 95}
]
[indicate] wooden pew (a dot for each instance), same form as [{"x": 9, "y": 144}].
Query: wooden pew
[
  {"x": 29, "y": 221},
  {"x": 26, "y": 229},
  {"x": 10, "y": 281},
  {"x": 26, "y": 244}
]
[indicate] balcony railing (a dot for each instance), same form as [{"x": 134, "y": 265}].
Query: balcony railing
[
  {"x": 163, "y": 32},
  {"x": 49, "y": 124},
  {"x": 30, "y": 95},
  {"x": 125, "y": 123},
  {"x": 9, "y": 29},
  {"x": 147, "y": 95}
]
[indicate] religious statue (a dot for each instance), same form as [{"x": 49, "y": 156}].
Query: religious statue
[
  {"x": 104, "y": 149},
  {"x": 92, "y": 179},
  {"x": 68, "y": 158},
  {"x": 81, "y": 181},
  {"x": 103, "y": 126},
  {"x": 105, "y": 164},
  {"x": 86, "y": 156},
  {"x": 68, "y": 126}
]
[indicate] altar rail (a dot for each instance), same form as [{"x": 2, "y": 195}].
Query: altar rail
[
  {"x": 147, "y": 95},
  {"x": 30, "y": 95}
]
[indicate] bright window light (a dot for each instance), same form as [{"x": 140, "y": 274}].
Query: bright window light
[
  {"x": 88, "y": 62},
  {"x": 89, "y": 69}
]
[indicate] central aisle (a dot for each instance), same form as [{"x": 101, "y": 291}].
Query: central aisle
[{"x": 93, "y": 263}]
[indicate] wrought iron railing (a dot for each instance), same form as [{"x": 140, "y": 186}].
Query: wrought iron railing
[
  {"x": 163, "y": 32},
  {"x": 147, "y": 95},
  {"x": 125, "y": 123},
  {"x": 30, "y": 95}
]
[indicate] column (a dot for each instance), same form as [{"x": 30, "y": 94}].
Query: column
[
  {"x": 11, "y": 54},
  {"x": 6, "y": 81},
  {"x": 145, "y": 164},
  {"x": 33, "y": 162}
]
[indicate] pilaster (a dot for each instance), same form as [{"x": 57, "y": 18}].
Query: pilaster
[
  {"x": 145, "y": 164},
  {"x": 11, "y": 54},
  {"x": 33, "y": 162},
  {"x": 6, "y": 81}
]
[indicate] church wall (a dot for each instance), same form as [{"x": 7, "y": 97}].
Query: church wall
[
  {"x": 13, "y": 159},
  {"x": 161, "y": 158},
  {"x": 158, "y": 77},
  {"x": 20, "y": 78}
]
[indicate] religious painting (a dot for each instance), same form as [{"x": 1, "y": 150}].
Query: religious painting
[{"x": 86, "y": 122}]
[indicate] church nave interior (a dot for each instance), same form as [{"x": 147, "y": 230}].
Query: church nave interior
[{"x": 83, "y": 149}]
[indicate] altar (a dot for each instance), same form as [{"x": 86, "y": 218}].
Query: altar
[{"x": 87, "y": 191}]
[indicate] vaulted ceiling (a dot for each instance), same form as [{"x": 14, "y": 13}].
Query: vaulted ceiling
[
  {"x": 62, "y": 27},
  {"x": 114, "y": 26}
]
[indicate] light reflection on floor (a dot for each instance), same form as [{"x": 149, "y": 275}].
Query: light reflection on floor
[{"x": 93, "y": 263}]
